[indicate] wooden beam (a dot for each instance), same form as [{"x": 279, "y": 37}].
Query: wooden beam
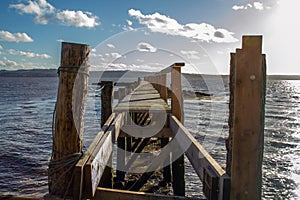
[
  {"x": 200, "y": 159},
  {"x": 113, "y": 194},
  {"x": 94, "y": 167},
  {"x": 248, "y": 124},
  {"x": 169, "y": 69},
  {"x": 69, "y": 114},
  {"x": 78, "y": 171}
]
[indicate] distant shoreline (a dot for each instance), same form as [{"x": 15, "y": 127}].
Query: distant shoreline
[{"x": 53, "y": 73}]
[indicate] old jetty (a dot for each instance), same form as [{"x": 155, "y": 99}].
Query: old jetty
[{"x": 146, "y": 113}]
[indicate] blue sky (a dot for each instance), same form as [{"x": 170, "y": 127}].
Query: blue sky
[{"x": 148, "y": 35}]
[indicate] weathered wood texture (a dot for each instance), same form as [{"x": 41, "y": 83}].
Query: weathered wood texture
[
  {"x": 99, "y": 158},
  {"x": 78, "y": 172},
  {"x": 143, "y": 98},
  {"x": 107, "y": 94},
  {"x": 69, "y": 123},
  {"x": 178, "y": 168},
  {"x": 163, "y": 88},
  {"x": 106, "y": 100},
  {"x": 113, "y": 194},
  {"x": 201, "y": 161},
  {"x": 231, "y": 112},
  {"x": 248, "y": 124}
]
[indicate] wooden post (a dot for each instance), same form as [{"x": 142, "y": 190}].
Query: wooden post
[
  {"x": 121, "y": 93},
  {"x": 106, "y": 100},
  {"x": 177, "y": 110},
  {"x": 231, "y": 112},
  {"x": 164, "y": 89},
  {"x": 69, "y": 123},
  {"x": 248, "y": 124},
  {"x": 106, "y": 110}
]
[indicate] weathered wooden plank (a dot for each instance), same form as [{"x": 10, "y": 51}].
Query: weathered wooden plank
[
  {"x": 69, "y": 123},
  {"x": 200, "y": 159},
  {"x": 116, "y": 129},
  {"x": 231, "y": 113},
  {"x": 142, "y": 99},
  {"x": 95, "y": 165},
  {"x": 248, "y": 124},
  {"x": 94, "y": 168},
  {"x": 78, "y": 171},
  {"x": 113, "y": 194}
]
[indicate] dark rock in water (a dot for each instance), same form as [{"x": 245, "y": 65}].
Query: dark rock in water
[{"x": 190, "y": 94}]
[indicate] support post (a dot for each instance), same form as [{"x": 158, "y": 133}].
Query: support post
[
  {"x": 231, "y": 112},
  {"x": 106, "y": 110},
  {"x": 178, "y": 168},
  {"x": 163, "y": 88},
  {"x": 248, "y": 123},
  {"x": 69, "y": 114}
]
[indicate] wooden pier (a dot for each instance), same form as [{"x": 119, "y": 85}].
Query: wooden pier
[{"x": 145, "y": 114}]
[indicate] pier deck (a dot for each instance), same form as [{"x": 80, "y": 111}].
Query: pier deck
[{"x": 143, "y": 114}]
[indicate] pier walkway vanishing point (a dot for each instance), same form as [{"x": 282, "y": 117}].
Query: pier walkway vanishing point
[{"x": 144, "y": 114}]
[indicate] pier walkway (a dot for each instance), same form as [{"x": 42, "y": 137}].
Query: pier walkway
[{"x": 119, "y": 162}]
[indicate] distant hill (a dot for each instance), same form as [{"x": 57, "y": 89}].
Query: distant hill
[
  {"x": 118, "y": 74},
  {"x": 29, "y": 73}
]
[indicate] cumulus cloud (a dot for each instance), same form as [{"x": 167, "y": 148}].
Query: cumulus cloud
[
  {"x": 164, "y": 24},
  {"x": 107, "y": 57},
  {"x": 191, "y": 54},
  {"x": 28, "y": 54},
  {"x": 4, "y": 62},
  {"x": 45, "y": 13},
  {"x": 111, "y": 46},
  {"x": 14, "y": 37},
  {"x": 1, "y": 48},
  {"x": 145, "y": 47},
  {"x": 255, "y": 5}
]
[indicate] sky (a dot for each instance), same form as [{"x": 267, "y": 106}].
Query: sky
[{"x": 149, "y": 35}]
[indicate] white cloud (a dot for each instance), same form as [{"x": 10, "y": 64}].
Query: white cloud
[
  {"x": 4, "y": 62},
  {"x": 1, "y": 48},
  {"x": 14, "y": 37},
  {"x": 107, "y": 57},
  {"x": 236, "y": 7},
  {"x": 45, "y": 13},
  {"x": 28, "y": 54},
  {"x": 129, "y": 22},
  {"x": 190, "y": 54},
  {"x": 164, "y": 24},
  {"x": 256, "y": 5},
  {"x": 145, "y": 47},
  {"x": 111, "y": 46}
]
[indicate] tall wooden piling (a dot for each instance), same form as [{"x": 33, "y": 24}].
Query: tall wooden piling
[
  {"x": 106, "y": 110},
  {"x": 68, "y": 122},
  {"x": 178, "y": 168},
  {"x": 248, "y": 122}
]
